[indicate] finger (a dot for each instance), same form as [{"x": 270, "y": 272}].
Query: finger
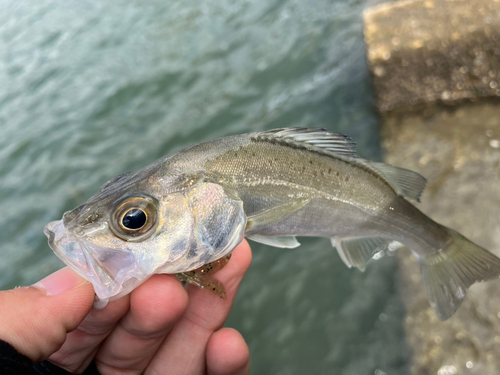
[
  {"x": 183, "y": 351},
  {"x": 81, "y": 345},
  {"x": 36, "y": 319},
  {"x": 155, "y": 307},
  {"x": 227, "y": 353}
]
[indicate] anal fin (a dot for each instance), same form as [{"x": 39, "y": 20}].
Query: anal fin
[{"x": 358, "y": 251}]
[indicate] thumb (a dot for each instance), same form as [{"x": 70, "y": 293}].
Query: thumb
[{"x": 36, "y": 319}]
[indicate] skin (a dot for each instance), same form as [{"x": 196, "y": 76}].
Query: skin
[{"x": 159, "y": 327}]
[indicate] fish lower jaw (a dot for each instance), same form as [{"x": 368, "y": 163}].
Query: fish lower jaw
[{"x": 113, "y": 273}]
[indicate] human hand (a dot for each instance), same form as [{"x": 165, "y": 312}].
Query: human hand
[{"x": 160, "y": 328}]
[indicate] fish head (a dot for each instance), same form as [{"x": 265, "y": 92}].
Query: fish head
[{"x": 120, "y": 237}]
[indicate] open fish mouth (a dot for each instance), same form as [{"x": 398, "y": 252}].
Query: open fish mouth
[{"x": 113, "y": 273}]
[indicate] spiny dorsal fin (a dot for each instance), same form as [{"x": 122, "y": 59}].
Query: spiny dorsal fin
[
  {"x": 319, "y": 138},
  {"x": 358, "y": 251},
  {"x": 406, "y": 183}
]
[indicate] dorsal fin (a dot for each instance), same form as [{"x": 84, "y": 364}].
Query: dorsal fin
[
  {"x": 318, "y": 138},
  {"x": 406, "y": 183}
]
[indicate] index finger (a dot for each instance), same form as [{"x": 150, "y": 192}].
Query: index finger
[{"x": 183, "y": 351}]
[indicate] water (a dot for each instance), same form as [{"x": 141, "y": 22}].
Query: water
[{"x": 89, "y": 90}]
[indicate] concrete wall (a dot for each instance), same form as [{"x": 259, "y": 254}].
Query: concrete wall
[{"x": 436, "y": 79}]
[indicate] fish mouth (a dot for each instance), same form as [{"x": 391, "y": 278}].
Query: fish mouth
[{"x": 113, "y": 272}]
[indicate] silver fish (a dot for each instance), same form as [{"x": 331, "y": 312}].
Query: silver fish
[{"x": 185, "y": 213}]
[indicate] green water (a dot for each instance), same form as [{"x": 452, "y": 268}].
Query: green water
[{"x": 92, "y": 89}]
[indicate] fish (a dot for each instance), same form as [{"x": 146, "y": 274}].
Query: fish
[{"x": 185, "y": 213}]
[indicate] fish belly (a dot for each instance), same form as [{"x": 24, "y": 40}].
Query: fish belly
[{"x": 331, "y": 217}]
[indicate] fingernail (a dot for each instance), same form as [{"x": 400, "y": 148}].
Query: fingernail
[{"x": 60, "y": 281}]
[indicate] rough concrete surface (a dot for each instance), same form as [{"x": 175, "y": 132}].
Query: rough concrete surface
[
  {"x": 436, "y": 77},
  {"x": 457, "y": 150},
  {"x": 433, "y": 50}
]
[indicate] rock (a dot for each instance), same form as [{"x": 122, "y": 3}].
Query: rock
[
  {"x": 423, "y": 54},
  {"x": 457, "y": 150},
  {"x": 433, "y": 51}
]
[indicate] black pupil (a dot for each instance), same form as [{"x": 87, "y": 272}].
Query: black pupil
[{"x": 134, "y": 219}]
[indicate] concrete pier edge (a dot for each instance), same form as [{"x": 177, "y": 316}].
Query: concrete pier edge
[{"x": 435, "y": 67}]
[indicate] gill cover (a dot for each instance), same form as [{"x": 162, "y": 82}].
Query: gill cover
[{"x": 217, "y": 227}]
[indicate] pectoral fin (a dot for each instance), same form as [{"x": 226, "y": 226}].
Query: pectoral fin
[
  {"x": 359, "y": 250},
  {"x": 275, "y": 213},
  {"x": 283, "y": 242}
]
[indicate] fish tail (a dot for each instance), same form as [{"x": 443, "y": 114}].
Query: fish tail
[{"x": 448, "y": 273}]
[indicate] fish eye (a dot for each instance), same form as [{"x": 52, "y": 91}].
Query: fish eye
[{"x": 134, "y": 218}]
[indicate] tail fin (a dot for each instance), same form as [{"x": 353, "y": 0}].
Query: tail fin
[{"x": 448, "y": 274}]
